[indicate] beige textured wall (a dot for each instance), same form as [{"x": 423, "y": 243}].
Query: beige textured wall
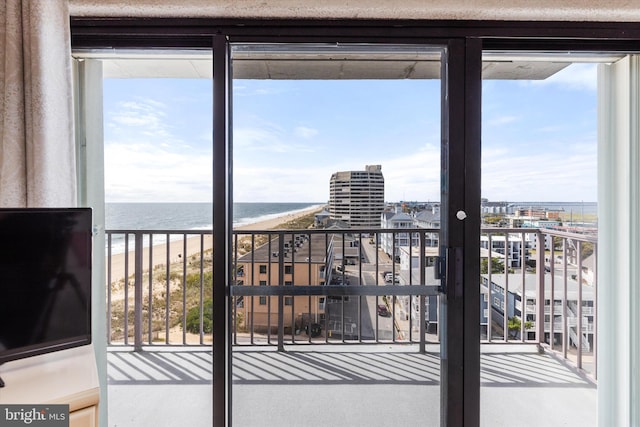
[{"x": 567, "y": 10}]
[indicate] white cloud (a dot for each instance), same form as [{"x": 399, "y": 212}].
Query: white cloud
[
  {"x": 540, "y": 176},
  {"x": 146, "y": 172},
  {"x": 276, "y": 183},
  {"x": 305, "y": 132},
  {"x": 575, "y": 77},
  {"x": 501, "y": 120},
  {"x": 144, "y": 118},
  {"x": 241, "y": 90},
  {"x": 257, "y": 138},
  {"x": 270, "y": 138},
  {"x": 145, "y": 161},
  {"x": 413, "y": 176}
]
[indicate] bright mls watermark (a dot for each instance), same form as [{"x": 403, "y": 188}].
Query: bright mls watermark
[{"x": 34, "y": 415}]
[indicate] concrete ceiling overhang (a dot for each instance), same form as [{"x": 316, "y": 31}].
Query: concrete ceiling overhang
[
  {"x": 527, "y": 10},
  {"x": 327, "y": 64}
]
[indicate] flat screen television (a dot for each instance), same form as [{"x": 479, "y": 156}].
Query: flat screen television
[{"x": 45, "y": 280}]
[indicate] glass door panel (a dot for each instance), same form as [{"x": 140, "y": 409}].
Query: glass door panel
[
  {"x": 336, "y": 190},
  {"x": 156, "y": 112},
  {"x": 539, "y": 238}
]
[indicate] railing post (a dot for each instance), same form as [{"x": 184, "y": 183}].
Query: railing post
[
  {"x": 489, "y": 288},
  {"x": 523, "y": 298},
  {"x": 137, "y": 305},
  {"x": 280, "y": 297},
  {"x": 423, "y": 282},
  {"x": 579, "y": 308},
  {"x": 540, "y": 288},
  {"x": 552, "y": 306},
  {"x": 109, "y": 287},
  {"x": 565, "y": 308},
  {"x": 594, "y": 351}
]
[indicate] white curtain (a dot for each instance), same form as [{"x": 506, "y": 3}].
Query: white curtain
[{"x": 37, "y": 149}]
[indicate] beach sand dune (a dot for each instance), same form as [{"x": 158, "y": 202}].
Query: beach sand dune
[{"x": 195, "y": 244}]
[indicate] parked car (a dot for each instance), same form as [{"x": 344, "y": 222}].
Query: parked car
[
  {"x": 383, "y": 311},
  {"x": 391, "y": 278}
]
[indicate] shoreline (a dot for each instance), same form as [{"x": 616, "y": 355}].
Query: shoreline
[
  {"x": 193, "y": 246},
  {"x": 268, "y": 224}
]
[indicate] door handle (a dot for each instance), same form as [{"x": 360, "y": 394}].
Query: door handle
[{"x": 450, "y": 265}]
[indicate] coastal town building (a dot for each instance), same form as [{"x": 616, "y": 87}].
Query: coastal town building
[
  {"x": 343, "y": 250},
  {"x": 429, "y": 218},
  {"x": 302, "y": 263},
  {"x": 410, "y": 274},
  {"x": 525, "y": 217},
  {"x": 489, "y": 207},
  {"x": 320, "y": 219},
  {"x": 506, "y": 296},
  {"x": 357, "y": 197},
  {"x": 390, "y": 241},
  {"x": 510, "y": 244},
  {"x": 397, "y": 220}
]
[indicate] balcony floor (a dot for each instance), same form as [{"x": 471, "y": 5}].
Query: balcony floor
[{"x": 341, "y": 385}]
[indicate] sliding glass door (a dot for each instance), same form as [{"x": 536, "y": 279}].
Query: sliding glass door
[{"x": 336, "y": 191}]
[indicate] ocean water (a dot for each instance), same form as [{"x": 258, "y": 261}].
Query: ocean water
[
  {"x": 190, "y": 216},
  {"x": 198, "y": 216},
  {"x": 578, "y": 208},
  {"x": 184, "y": 216}
]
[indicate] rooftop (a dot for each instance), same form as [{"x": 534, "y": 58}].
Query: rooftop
[
  {"x": 300, "y": 248},
  {"x": 515, "y": 281}
]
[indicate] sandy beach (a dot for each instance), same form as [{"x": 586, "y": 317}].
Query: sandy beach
[
  {"x": 158, "y": 255},
  {"x": 193, "y": 247},
  {"x": 274, "y": 222}
]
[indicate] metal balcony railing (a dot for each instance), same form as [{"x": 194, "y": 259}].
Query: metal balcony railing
[{"x": 339, "y": 286}]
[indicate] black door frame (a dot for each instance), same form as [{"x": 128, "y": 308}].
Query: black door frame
[
  {"x": 222, "y": 226},
  {"x": 460, "y": 234},
  {"x": 460, "y": 191}
]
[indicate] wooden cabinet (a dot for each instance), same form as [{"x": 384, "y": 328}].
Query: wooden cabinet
[
  {"x": 87, "y": 417},
  {"x": 67, "y": 377},
  {"x": 83, "y": 408}
]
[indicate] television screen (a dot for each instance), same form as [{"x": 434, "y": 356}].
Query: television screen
[{"x": 45, "y": 280}]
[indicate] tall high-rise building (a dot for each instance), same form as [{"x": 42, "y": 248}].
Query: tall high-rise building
[{"x": 357, "y": 197}]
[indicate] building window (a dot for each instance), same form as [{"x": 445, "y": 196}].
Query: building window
[
  {"x": 288, "y": 269},
  {"x": 288, "y": 300},
  {"x": 288, "y": 283},
  {"x": 263, "y": 301},
  {"x": 263, "y": 283},
  {"x": 263, "y": 269}
]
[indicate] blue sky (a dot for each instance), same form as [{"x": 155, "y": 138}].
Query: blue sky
[{"x": 539, "y": 138}]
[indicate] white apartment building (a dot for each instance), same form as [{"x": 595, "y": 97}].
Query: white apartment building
[
  {"x": 429, "y": 218},
  {"x": 513, "y": 245},
  {"x": 515, "y": 283},
  {"x": 357, "y": 197},
  {"x": 390, "y": 242}
]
